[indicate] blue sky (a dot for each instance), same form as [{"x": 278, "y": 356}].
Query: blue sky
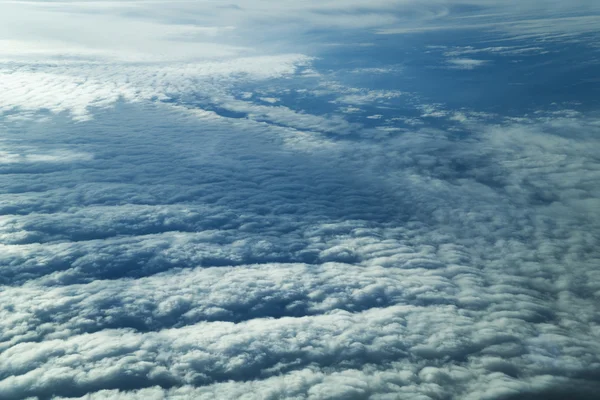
[{"x": 320, "y": 199}]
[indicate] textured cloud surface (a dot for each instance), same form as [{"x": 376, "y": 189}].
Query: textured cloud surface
[{"x": 327, "y": 200}]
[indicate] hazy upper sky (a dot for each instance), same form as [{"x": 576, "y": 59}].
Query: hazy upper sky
[{"x": 256, "y": 199}]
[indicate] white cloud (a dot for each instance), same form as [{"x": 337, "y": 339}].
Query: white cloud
[
  {"x": 270, "y": 100},
  {"x": 191, "y": 284},
  {"x": 361, "y": 97},
  {"x": 466, "y": 63},
  {"x": 499, "y": 50},
  {"x": 164, "y": 233},
  {"x": 77, "y": 88},
  {"x": 515, "y": 20}
]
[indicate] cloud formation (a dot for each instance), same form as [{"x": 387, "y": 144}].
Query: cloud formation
[
  {"x": 466, "y": 63},
  {"x": 189, "y": 210}
]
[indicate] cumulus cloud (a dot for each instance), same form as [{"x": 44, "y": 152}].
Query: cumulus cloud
[
  {"x": 76, "y": 88},
  {"x": 95, "y": 293},
  {"x": 192, "y": 210}
]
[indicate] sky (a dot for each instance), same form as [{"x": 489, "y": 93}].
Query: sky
[{"x": 255, "y": 199}]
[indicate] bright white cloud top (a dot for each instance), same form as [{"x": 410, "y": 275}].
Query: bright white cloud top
[{"x": 387, "y": 199}]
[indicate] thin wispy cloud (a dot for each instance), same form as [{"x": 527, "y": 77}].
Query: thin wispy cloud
[{"x": 466, "y": 63}]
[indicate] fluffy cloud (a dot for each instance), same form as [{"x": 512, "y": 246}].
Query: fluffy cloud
[
  {"x": 78, "y": 87},
  {"x": 167, "y": 230},
  {"x": 84, "y": 308}
]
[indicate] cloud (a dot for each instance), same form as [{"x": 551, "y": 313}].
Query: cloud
[
  {"x": 360, "y": 97},
  {"x": 77, "y": 88},
  {"x": 96, "y": 292},
  {"x": 500, "y": 50},
  {"x": 514, "y": 20},
  {"x": 193, "y": 205},
  {"x": 466, "y": 63}
]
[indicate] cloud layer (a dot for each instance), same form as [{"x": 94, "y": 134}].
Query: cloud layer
[{"x": 189, "y": 210}]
